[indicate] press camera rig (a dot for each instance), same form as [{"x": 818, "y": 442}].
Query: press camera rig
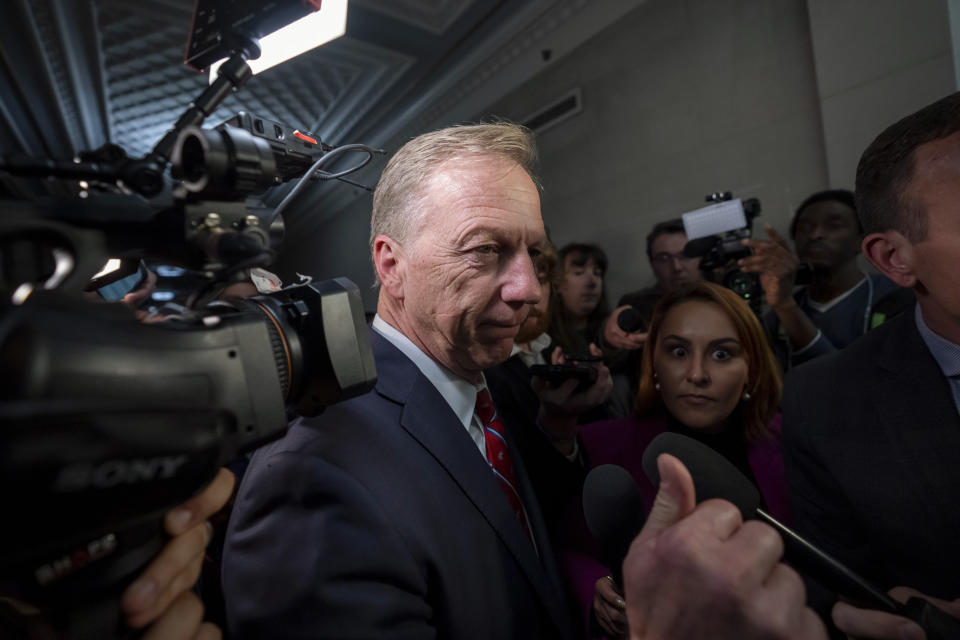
[
  {"x": 716, "y": 234},
  {"x": 107, "y": 423}
]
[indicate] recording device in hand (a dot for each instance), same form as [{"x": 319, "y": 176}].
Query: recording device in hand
[
  {"x": 716, "y": 477},
  {"x": 715, "y": 234},
  {"x": 108, "y": 423},
  {"x": 557, "y": 374},
  {"x": 614, "y": 512}
]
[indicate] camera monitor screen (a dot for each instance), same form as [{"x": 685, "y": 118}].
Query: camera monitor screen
[{"x": 714, "y": 219}]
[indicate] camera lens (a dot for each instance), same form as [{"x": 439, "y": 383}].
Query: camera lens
[
  {"x": 223, "y": 162},
  {"x": 743, "y": 284}
]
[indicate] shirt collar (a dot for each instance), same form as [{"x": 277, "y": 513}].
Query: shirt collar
[
  {"x": 946, "y": 353},
  {"x": 823, "y": 307},
  {"x": 460, "y": 394},
  {"x": 535, "y": 354},
  {"x": 537, "y": 345},
  {"x": 541, "y": 342}
]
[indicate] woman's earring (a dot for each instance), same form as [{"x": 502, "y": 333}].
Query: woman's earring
[
  {"x": 656, "y": 382},
  {"x": 746, "y": 396}
]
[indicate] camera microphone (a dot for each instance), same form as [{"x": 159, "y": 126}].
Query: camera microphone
[{"x": 614, "y": 512}]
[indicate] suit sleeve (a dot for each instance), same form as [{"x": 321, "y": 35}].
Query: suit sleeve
[
  {"x": 310, "y": 554},
  {"x": 818, "y": 503}
]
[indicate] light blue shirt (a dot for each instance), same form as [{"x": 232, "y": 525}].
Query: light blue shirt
[
  {"x": 946, "y": 353},
  {"x": 460, "y": 394}
]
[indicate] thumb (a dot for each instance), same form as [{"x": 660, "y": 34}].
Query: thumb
[
  {"x": 676, "y": 497},
  {"x": 595, "y": 350}
]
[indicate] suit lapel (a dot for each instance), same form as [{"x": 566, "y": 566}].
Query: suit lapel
[
  {"x": 429, "y": 420},
  {"x": 911, "y": 372},
  {"x": 917, "y": 414}
]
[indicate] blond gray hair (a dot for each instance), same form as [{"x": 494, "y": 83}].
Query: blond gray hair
[{"x": 399, "y": 197}]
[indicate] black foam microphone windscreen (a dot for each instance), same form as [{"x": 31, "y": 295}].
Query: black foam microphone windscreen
[
  {"x": 713, "y": 475},
  {"x": 630, "y": 320},
  {"x": 614, "y": 512}
]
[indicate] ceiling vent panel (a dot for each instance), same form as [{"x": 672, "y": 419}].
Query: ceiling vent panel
[{"x": 560, "y": 110}]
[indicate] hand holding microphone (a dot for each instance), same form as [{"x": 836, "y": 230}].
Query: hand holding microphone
[
  {"x": 715, "y": 477},
  {"x": 698, "y": 571},
  {"x": 623, "y": 329}
]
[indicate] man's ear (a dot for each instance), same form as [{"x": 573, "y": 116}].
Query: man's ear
[
  {"x": 892, "y": 254},
  {"x": 388, "y": 261}
]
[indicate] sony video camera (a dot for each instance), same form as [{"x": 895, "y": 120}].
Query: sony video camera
[{"x": 106, "y": 423}]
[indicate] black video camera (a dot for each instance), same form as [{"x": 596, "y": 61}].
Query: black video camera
[
  {"x": 107, "y": 423},
  {"x": 715, "y": 234}
]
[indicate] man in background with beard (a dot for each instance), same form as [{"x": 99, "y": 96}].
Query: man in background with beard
[{"x": 550, "y": 453}]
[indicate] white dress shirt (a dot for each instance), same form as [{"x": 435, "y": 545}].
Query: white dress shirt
[
  {"x": 460, "y": 394},
  {"x": 535, "y": 353}
]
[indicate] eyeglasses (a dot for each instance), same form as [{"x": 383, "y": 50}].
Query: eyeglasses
[{"x": 667, "y": 258}]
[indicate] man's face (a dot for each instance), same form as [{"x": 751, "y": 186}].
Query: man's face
[
  {"x": 469, "y": 281},
  {"x": 935, "y": 261},
  {"x": 582, "y": 286},
  {"x": 671, "y": 268},
  {"x": 827, "y": 235}
]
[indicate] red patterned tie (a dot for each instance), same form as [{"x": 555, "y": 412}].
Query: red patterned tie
[{"x": 498, "y": 456}]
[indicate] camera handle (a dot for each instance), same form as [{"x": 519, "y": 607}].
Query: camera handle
[
  {"x": 145, "y": 176},
  {"x": 110, "y": 163},
  {"x": 232, "y": 75},
  {"x": 91, "y": 618}
]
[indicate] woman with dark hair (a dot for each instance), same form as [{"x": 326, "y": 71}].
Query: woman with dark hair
[
  {"x": 708, "y": 373},
  {"x": 580, "y": 302}
]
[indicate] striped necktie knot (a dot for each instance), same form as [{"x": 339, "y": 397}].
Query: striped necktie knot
[{"x": 485, "y": 409}]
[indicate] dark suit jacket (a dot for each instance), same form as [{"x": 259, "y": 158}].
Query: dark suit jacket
[
  {"x": 872, "y": 455},
  {"x": 555, "y": 479},
  {"x": 381, "y": 519}
]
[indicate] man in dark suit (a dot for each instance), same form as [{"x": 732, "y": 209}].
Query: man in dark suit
[
  {"x": 872, "y": 433},
  {"x": 401, "y": 513},
  {"x": 405, "y": 513}
]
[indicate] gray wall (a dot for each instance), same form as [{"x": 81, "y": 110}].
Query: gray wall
[
  {"x": 681, "y": 98},
  {"x": 341, "y": 250},
  {"x": 876, "y": 61},
  {"x": 771, "y": 99},
  {"x": 954, "y": 11}
]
